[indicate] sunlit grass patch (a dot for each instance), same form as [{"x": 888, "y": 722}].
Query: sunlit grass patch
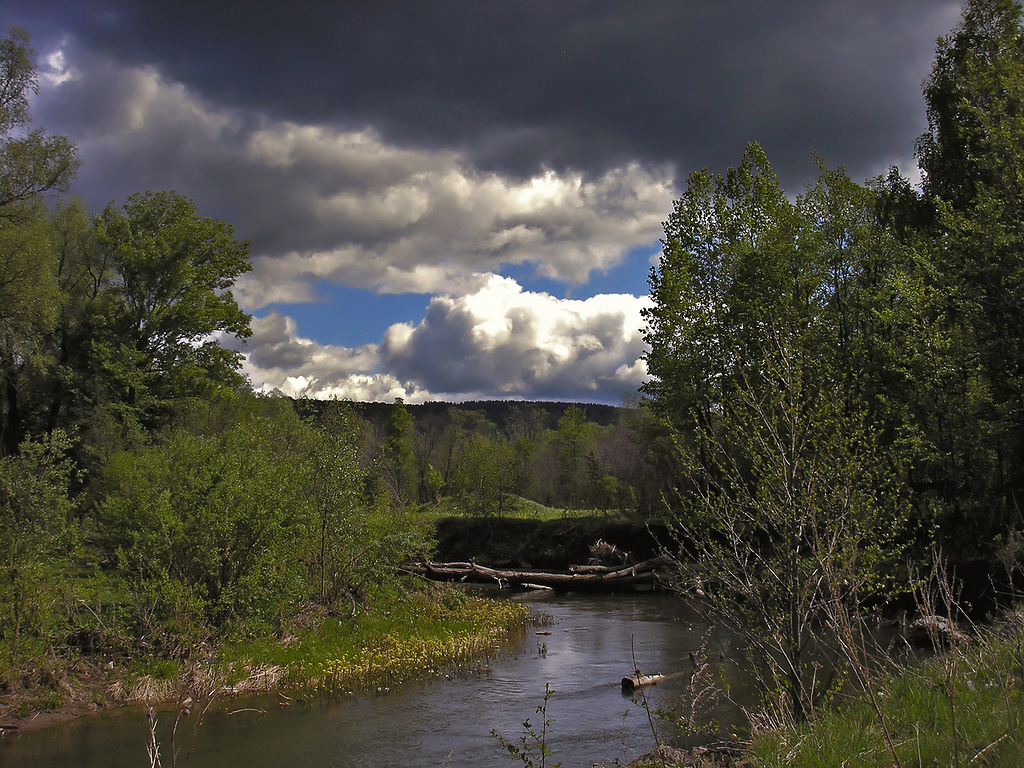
[
  {"x": 520, "y": 509},
  {"x": 451, "y": 640},
  {"x": 403, "y": 635}
]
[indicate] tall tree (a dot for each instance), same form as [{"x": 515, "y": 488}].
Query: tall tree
[
  {"x": 397, "y": 461},
  {"x": 29, "y": 305},
  {"x": 334, "y": 486},
  {"x": 168, "y": 301},
  {"x": 573, "y": 444},
  {"x": 31, "y": 165},
  {"x": 751, "y": 334},
  {"x": 972, "y": 159}
]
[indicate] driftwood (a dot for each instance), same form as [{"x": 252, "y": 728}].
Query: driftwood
[
  {"x": 639, "y": 680},
  {"x": 594, "y": 578}
]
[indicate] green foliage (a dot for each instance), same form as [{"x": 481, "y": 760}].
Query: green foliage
[
  {"x": 30, "y": 301},
  {"x": 826, "y": 365},
  {"x": 972, "y": 159},
  {"x": 335, "y": 483},
  {"x": 205, "y": 528},
  {"x": 37, "y": 532},
  {"x": 240, "y": 518},
  {"x": 785, "y": 502},
  {"x": 489, "y": 476},
  {"x": 29, "y": 296},
  {"x": 489, "y": 468},
  {"x": 974, "y": 717},
  {"x": 973, "y": 97},
  {"x": 172, "y": 271},
  {"x": 573, "y": 444},
  {"x": 110, "y": 325},
  {"x": 397, "y": 454},
  {"x": 31, "y": 163}
]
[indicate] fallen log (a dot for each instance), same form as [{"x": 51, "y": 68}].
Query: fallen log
[
  {"x": 631, "y": 577},
  {"x": 593, "y": 568},
  {"x": 639, "y": 680}
]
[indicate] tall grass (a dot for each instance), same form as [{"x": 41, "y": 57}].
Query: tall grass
[{"x": 964, "y": 706}]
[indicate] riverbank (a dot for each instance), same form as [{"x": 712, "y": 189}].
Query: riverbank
[
  {"x": 507, "y": 542},
  {"x": 409, "y": 634},
  {"x": 103, "y": 666}
]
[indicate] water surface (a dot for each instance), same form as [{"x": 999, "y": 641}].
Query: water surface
[{"x": 592, "y": 643}]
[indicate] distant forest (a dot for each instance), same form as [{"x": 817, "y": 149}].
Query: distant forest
[
  {"x": 487, "y": 457},
  {"x": 501, "y": 413}
]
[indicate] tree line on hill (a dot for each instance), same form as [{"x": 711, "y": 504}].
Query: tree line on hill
[{"x": 487, "y": 458}]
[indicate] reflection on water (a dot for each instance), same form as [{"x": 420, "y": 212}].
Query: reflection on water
[{"x": 593, "y": 641}]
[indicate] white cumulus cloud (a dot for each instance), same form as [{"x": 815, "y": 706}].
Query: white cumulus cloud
[
  {"x": 496, "y": 342},
  {"x": 503, "y": 340}
]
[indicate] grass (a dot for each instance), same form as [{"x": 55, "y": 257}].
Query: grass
[
  {"x": 407, "y": 635},
  {"x": 519, "y": 509},
  {"x": 962, "y": 707}
]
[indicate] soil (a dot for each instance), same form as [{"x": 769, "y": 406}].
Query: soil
[{"x": 80, "y": 688}]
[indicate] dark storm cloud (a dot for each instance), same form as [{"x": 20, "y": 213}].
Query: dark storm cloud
[{"x": 584, "y": 84}]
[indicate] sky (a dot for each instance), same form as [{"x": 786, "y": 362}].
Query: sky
[{"x": 462, "y": 199}]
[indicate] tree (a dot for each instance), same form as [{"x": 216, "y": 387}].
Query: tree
[
  {"x": 489, "y": 474},
  {"x": 334, "y": 485},
  {"x": 29, "y": 305},
  {"x": 972, "y": 159},
  {"x": 574, "y": 443},
  {"x": 973, "y": 97},
  {"x": 34, "y": 163},
  {"x": 207, "y": 528},
  {"x": 783, "y": 504},
  {"x": 397, "y": 453},
  {"x": 36, "y": 529},
  {"x": 434, "y": 432},
  {"x": 643, "y": 460},
  {"x": 61, "y": 395},
  {"x": 167, "y": 302},
  {"x": 31, "y": 165}
]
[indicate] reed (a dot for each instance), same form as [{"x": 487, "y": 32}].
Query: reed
[{"x": 964, "y": 706}]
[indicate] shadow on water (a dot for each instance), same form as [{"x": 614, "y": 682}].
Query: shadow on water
[{"x": 591, "y": 646}]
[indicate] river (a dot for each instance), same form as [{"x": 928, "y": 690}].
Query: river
[{"x": 592, "y": 641}]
